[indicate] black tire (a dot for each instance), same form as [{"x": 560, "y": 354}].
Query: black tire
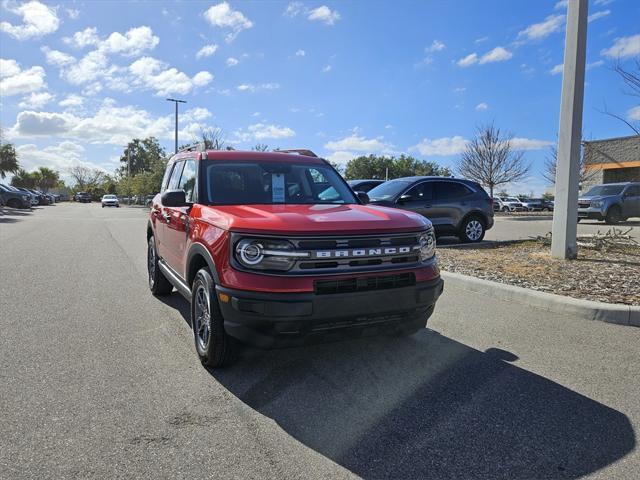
[
  {"x": 472, "y": 229},
  {"x": 613, "y": 216},
  {"x": 158, "y": 283},
  {"x": 103, "y": 206},
  {"x": 214, "y": 347},
  {"x": 506, "y": 209}
]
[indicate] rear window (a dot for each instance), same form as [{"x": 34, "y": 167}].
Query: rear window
[{"x": 451, "y": 190}]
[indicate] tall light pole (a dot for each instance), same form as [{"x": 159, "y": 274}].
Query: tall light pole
[
  {"x": 565, "y": 215},
  {"x": 176, "y": 102}
]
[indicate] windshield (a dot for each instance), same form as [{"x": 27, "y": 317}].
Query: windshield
[
  {"x": 109, "y": 197},
  {"x": 388, "y": 190},
  {"x": 511, "y": 199},
  {"x": 255, "y": 182},
  {"x": 604, "y": 190}
]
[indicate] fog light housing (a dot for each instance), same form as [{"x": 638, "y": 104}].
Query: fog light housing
[{"x": 427, "y": 248}]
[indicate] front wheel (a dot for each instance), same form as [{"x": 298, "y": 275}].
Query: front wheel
[
  {"x": 614, "y": 215},
  {"x": 214, "y": 347},
  {"x": 472, "y": 230},
  {"x": 158, "y": 283}
]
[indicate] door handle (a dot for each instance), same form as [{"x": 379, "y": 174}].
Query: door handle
[{"x": 167, "y": 217}]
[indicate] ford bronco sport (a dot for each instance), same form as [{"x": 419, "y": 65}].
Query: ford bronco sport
[{"x": 273, "y": 249}]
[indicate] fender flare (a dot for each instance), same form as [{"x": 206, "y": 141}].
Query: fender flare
[{"x": 199, "y": 249}]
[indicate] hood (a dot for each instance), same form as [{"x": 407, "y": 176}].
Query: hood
[
  {"x": 310, "y": 219},
  {"x": 594, "y": 198}
]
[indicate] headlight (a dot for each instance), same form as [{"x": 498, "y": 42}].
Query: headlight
[
  {"x": 596, "y": 204},
  {"x": 427, "y": 245},
  {"x": 267, "y": 254}
]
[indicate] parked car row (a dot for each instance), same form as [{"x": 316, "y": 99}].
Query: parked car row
[{"x": 19, "y": 197}]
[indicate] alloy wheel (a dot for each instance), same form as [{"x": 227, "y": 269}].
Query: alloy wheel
[
  {"x": 473, "y": 230},
  {"x": 202, "y": 318}
]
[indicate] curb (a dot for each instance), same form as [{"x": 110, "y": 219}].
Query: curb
[{"x": 585, "y": 309}]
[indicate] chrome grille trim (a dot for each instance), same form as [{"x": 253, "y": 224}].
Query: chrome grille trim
[{"x": 328, "y": 254}]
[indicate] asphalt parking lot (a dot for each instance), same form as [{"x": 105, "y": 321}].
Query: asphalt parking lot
[{"x": 100, "y": 380}]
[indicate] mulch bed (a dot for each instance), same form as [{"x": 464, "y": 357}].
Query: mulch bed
[{"x": 611, "y": 277}]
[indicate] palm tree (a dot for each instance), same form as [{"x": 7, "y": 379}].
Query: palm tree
[
  {"x": 8, "y": 159},
  {"x": 47, "y": 178}
]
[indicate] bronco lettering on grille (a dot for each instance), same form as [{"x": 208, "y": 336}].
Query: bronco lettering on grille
[{"x": 361, "y": 252}]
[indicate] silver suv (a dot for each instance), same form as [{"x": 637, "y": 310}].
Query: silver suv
[
  {"x": 611, "y": 202},
  {"x": 454, "y": 206}
]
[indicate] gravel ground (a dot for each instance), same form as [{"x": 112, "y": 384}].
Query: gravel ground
[{"x": 610, "y": 277}]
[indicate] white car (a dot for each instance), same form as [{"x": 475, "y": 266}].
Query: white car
[
  {"x": 110, "y": 201},
  {"x": 507, "y": 204}
]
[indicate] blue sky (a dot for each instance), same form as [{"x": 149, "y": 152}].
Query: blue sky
[{"x": 80, "y": 79}]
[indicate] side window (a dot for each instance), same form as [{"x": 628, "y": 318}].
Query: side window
[
  {"x": 175, "y": 176},
  {"x": 632, "y": 191},
  {"x": 451, "y": 190},
  {"x": 188, "y": 180},
  {"x": 165, "y": 179},
  {"x": 423, "y": 191}
]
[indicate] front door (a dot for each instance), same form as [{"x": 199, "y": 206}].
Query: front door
[
  {"x": 176, "y": 230},
  {"x": 631, "y": 202},
  {"x": 419, "y": 199}
]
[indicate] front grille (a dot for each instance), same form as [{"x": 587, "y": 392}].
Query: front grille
[
  {"x": 364, "y": 284},
  {"x": 584, "y": 204}
]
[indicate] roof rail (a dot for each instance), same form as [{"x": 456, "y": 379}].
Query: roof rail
[
  {"x": 299, "y": 151},
  {"x": 196, "y": 147}
]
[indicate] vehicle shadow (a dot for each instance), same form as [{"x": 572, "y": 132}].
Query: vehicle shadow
[{"x": 428, "y": 407}]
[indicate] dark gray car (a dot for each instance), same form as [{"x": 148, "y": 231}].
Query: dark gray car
[
  {"x": 454, "y": 206},
  {"x": 611, "y": 202}
]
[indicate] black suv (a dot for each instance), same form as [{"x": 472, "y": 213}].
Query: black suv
[
  {"x": 454, "y": 206},
  {"x": 83, "y": 197}
]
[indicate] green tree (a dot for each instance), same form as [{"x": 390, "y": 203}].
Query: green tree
[
  {"x": 374, "y": 166},
  {"x": 24, "y": 179},
  {"x": 140, "y": 155},
  {"x": 46, "y": 178},
  {"x": 8, "y": 158}
]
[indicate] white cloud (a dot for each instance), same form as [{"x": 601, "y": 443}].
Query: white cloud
[
  {"x": 71, "y": 101},
  {"x": 248, "y": 87},
  {"x": 223, "y": 16},
  {"x": 468, "y": 60},
  {"x": 92, "y": 66},
  {"x": 327, "y": 68},
  {"x": 340, "y": 157},
  {"x": 35, "y": 101},
  {"x": 324, "y": 14},
  {"x": 57, "y": 58},
  {"x": 300, "y": 53},
  {"x": 440, "y": 146},
  {"x": 59, "y": 157},
  {"x": 557, "y": 69},
  {"x": 16, "y": 81},
  {"x": 134, "y": 42},
  {"x": 481, "y": 39},
  {"x": 196, "y": 114},
  {"x": 207, "y": 51},
  {"x": 498, "y": 54},
  {"x": 37, "y": 20},
  {"x": 597, "y": 63},
  {"x": 459, "y": 90},
  {"x": 518, "y": 143},
  {"x": 154, "y": 74},
  {"x": 261, "y": 131},
  {"x": 293, "y": 9},
  {"x": 561, "y": 4},
  {"x": 538, "y": 31},
  {"x": 232, "y": 62},
  {"x": 73, "y": 13},
  {"x": 436, "y": 46},
  {"x": 83, "y": 38},
  {"x": 602, "y": 3},
  {"x": 482, "y": 107},
  {"x": 357, "y": 143},
  {"x": 634, "y": 114},
  {"x": 598, "y": 15},
  {"x": 109, "y": 125},
  {"x": 624, "y": 47}
]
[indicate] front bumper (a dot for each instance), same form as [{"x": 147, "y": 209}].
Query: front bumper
[
  {"x": 591, "y": 212},
  {"x": 267, "y": 320}
]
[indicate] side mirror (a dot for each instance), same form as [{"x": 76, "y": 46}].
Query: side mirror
[
  {"x": 174, "y": 198},
  {"x": 404, "y": 198},
  {"x": 363, "y": 197}
]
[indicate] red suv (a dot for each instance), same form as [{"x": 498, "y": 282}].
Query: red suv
[{"x": 275, "y": 250}]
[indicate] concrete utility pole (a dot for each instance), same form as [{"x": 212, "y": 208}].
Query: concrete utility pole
[
  {"x": 176, "y": 102},
  {"x": 565, "y": 215}
]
